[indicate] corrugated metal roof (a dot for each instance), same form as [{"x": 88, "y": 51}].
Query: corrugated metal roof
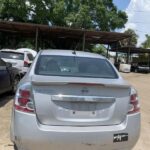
[
  {"x": 54, "y": 32},
  {"x": 131, "y": 50}
]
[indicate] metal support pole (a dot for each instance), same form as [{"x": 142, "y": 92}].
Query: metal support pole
[
  {"x": 36, "y": 39},
  {"x": 83, "y": 46},
  {"x": 128, "y": 55},
  {"x": 116, "y": 58},
  {"x": 107, "y": 51},
  {"x": 149, "y": 60},
  {"x": 42, "y": 43},
  {"x": 1, "y": 42}
]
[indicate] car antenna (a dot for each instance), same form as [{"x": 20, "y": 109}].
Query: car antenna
[{"x": 74, "y": 52}]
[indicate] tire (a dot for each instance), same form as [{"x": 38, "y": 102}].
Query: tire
[
  {"x": 136, "y": 70},
  {"x": 15, "y": 147},
  {"x": 16, "y": 81}
]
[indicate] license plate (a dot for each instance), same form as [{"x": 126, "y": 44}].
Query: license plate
[
  {"x": 83, "y": 113},
  {"x": 122, "y": 137}
]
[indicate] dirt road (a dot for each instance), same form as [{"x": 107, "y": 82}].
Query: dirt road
[
  {"x": 140, "y": 81},
  {"x": 5, "y": 114}
]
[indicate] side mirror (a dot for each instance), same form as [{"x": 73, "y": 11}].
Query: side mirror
[{"x": 8, "y": 65}]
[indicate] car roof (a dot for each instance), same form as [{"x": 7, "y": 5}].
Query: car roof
[
  {"x": 11, "y": 50},
  {"x": 71, "y": 53},
  {"x": 28, "y": 50}
]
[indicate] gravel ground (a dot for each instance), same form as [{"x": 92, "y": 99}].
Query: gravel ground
[{"x": 140, "y": 81}]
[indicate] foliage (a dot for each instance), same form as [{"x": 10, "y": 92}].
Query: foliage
[
  {"x": 13, "y": 10},
  {"x": 99, "y": 49},
  {"x": 26, "y": 43},
  {"x": 94, "y": 14},
  {"x": 146, "y": 43},
  {"x": 133, "y": 40}
]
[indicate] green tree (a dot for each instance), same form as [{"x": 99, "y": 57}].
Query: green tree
[
  {"x": 94, "y": 14},
  {"x": 133, "y": 39},
  {"x": 14, "y": 10},
  {"x": 99, "y": 49},
  {"x": 146, "y": 43}
]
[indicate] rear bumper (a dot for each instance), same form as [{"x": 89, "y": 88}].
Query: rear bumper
[
  {"x": 28, "y": 134},
  {"x": 25, "y": 69}
]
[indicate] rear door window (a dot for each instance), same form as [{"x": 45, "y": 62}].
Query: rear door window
[
  {"x": 74, "y": 66},
  {"x": 30, "y": 56},
  {"x": 12, "y": 55}
]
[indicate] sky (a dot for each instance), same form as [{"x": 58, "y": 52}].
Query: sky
[
  {"x": 138, "y": 12},
  {"x": 121, "y": 4}
]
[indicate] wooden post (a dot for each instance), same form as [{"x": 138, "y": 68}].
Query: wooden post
[
  {"x": 83, "y": 46},
  {"x": 36, "y": 39}
]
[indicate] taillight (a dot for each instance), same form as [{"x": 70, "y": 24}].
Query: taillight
[
  {"x": 23, "y": 100},
  {"x": 26, "y": 64},
  {"x": 134, "y": 105}
]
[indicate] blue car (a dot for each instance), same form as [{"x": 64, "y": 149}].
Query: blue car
[{"x": 9, "y": 77}]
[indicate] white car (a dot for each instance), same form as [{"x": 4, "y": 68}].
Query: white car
[
  {"x": 19, "y": 60},
  {"x": 33, "y": 52},
  {"x": 74, "y": 101}
]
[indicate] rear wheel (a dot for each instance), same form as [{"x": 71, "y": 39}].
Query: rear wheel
[
  {"x": 15, "y": 147},
  {"x": 136, "y": 70}
]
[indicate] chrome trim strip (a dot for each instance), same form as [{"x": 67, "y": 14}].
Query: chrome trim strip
[{"x": 74, "y": 98}]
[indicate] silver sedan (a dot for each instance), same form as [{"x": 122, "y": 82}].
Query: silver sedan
[{"x": 74, "y": 101}]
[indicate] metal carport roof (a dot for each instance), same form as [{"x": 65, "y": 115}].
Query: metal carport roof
[
  {"x": 54, "y": 32},
  {"x": 131, "y": 50}
]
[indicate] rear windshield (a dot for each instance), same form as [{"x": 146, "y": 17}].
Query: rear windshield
[
  {"x": 12, "y": 55},
  {"x": 74, "y": 66}
]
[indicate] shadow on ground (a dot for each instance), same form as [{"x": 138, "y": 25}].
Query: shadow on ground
[{"x": 5, "y": 98}]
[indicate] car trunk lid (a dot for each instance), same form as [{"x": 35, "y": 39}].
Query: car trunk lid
[{"x": 75, "y": 101}]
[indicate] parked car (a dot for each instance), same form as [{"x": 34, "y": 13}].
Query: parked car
[
  {"x": 126, "y": 68},
  {"x": 9, "y": 77},
  {"x": 74, "y": 100},
  {"x": 140, "y": 67},
  {"x": 19, "y": 60},
  {"x": 33, "y": 52}
]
